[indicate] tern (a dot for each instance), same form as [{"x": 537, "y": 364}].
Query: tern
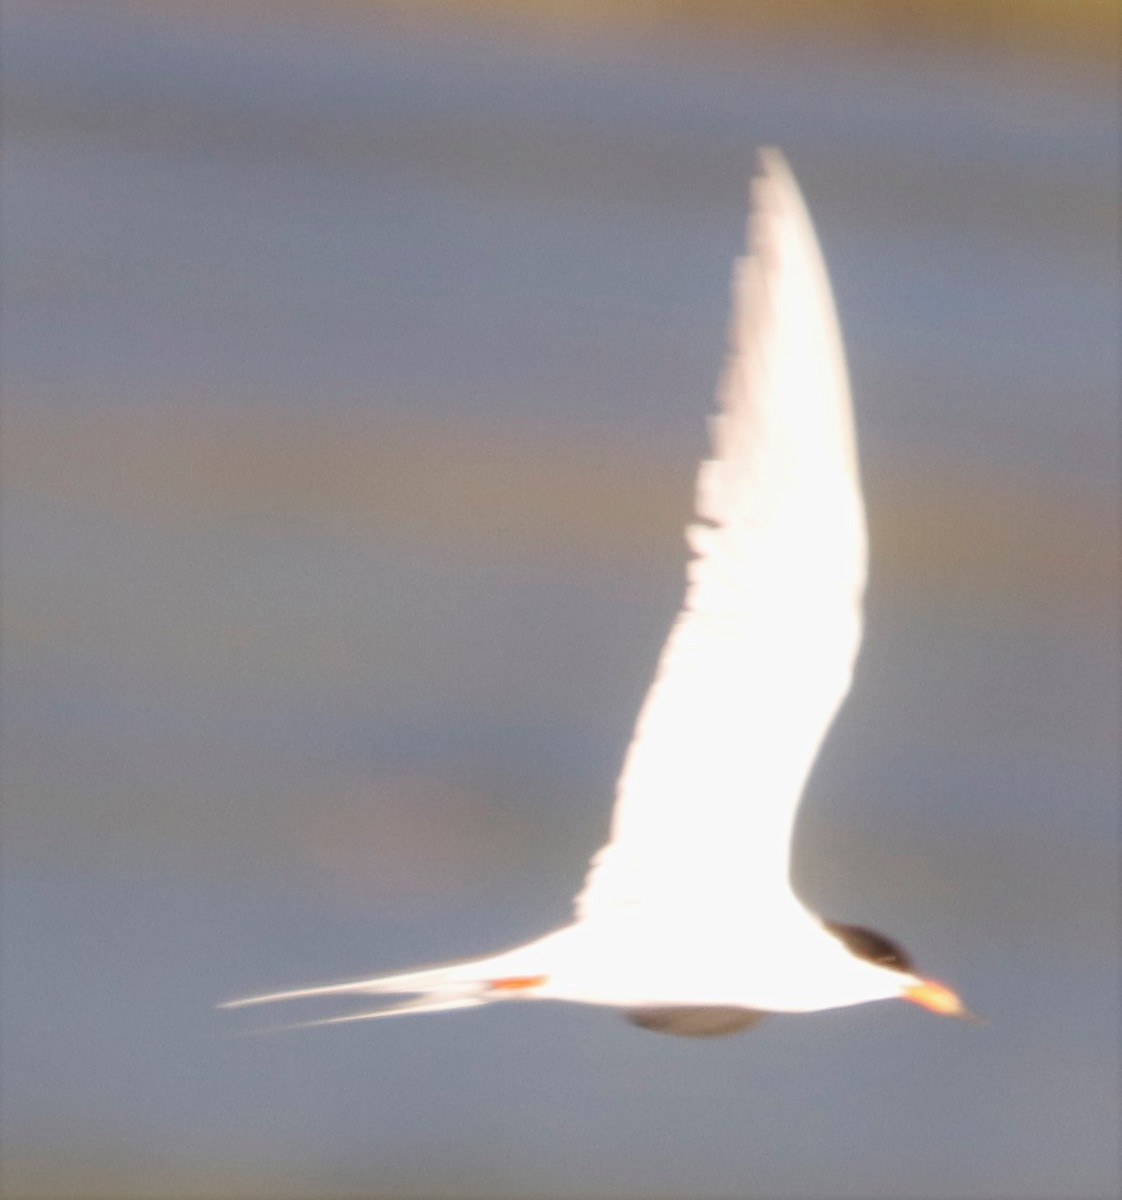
[{"x": 687, "y": 922}]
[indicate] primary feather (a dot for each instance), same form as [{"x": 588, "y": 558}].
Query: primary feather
[{"x": 762, "y": 653}]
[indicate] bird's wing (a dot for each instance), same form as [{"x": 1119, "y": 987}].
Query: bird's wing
[{"x": 762, "y": 653}]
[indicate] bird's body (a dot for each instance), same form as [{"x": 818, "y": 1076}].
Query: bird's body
[
  {"x": 687, "y": 921},
  {"x": 632, "y": 962}
]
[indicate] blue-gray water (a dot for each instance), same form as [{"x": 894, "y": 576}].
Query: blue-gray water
[{"x": 354, "y": 380}]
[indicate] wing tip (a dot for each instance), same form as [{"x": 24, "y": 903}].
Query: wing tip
[
  {"x": 775, "y": 193},
  {"x": 772, "y": 162}
]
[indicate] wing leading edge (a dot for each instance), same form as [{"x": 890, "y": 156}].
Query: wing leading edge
[{"x": 761, "y": 655}]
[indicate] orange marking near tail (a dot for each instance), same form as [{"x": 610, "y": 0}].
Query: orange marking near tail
[{"x": 517, "y": 982}]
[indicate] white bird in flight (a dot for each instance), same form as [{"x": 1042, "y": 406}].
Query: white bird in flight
[{"x": 687, "y": 921}]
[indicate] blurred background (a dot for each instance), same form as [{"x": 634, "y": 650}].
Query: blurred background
[{"x": 356, "y": 359}]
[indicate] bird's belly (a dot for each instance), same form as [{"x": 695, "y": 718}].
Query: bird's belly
[{"x": 635, "y": 966}]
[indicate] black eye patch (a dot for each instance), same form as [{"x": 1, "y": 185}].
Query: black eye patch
[{"x": 872, "y": 946}]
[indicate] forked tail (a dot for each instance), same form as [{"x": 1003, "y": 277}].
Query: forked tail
[{"x": 437, "y": 989}]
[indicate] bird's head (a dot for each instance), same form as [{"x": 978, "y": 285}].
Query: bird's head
[{"x": 899, "y": 973}]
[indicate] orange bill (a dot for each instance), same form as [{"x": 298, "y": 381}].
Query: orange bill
[{"x": 938, "y": 998}]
